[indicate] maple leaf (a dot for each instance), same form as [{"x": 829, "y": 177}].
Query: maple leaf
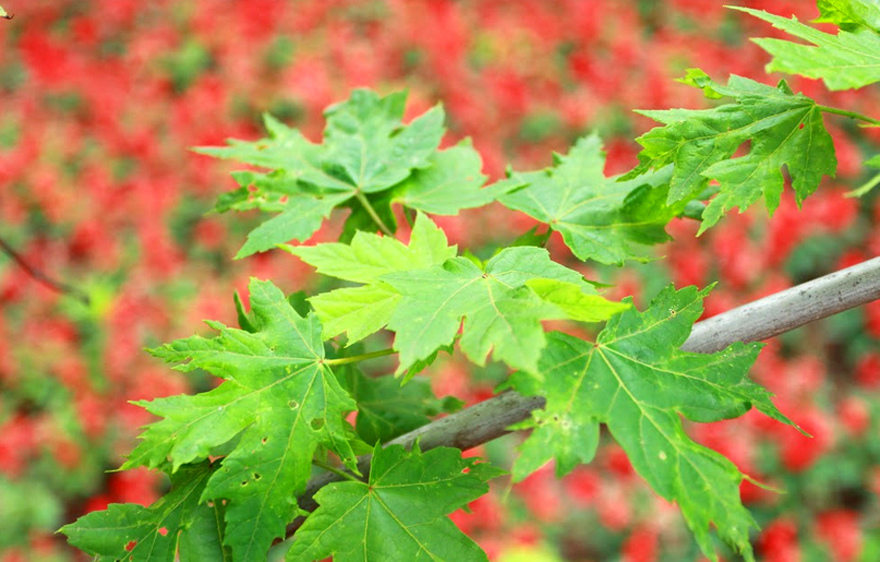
[
  {"x": 361, "y": 311},
  {"x": 452, "y": 182},
  {"x": 784, "y": 129},
  {"x": 366, "y": 150},
  {"x": 501, "y": 313},
  {"x": 400, "y": 514},
  {"x": 276, "y": 406},
  {"x": 386, "y": 409},
  {"x": 850, "y": 14},
  {"x": 850, "y": 59},
  {"x": 635, "y": 380},
  {"x": 179, "y": 523},
  {"x": 594, "y": 214}
]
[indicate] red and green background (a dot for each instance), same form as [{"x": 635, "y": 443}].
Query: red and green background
[{"x": 101, "y": 99}]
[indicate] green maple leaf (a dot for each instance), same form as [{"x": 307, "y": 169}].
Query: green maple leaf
[
  {"x": 784, "y": 130},
  {"x": 594, "y": 214},
  {"x": 361, "y": 311},
  {"x": 400, "y": 514},
  {"x": 177, "y": 524},
  {"x": 850, "y": 59},
  {"x": 366, "y": 150},
  {"x": 850, "y": 14},
  {"x": 386, "y": 409},
  {"x": 635, "y": 380},
  {"x": 453, "y": 182},
  {"x": 501, "y": 313},
  {"x": 276, "y": 406}
]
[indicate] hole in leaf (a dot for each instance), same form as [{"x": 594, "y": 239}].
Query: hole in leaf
[
  {"x": 465, "y": 470},
  {"x": 317, "y": 423},
  {"x": 163, "y": 531},
  {"x": 257, "y": 476},
  {"x": 293, "y": 404},
  {"x": 210, "y": 504},
  {"x": 245, "y": 483},
  {"x": 130, "y": 546},
  {"x": 263, "y": 440}
]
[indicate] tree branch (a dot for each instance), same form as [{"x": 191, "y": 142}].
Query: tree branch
[
  {"x": 39, "y": 276},
  {"x": 759, "y": 320}
]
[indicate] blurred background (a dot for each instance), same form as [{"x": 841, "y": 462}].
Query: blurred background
[{"x": 102, "y": 98}]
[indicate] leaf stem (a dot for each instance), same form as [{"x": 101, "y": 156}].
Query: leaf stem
[
  {"x": 361, "y": 357},
  {"x": 864, "y": 188},
  {"x": 850, "y": 114},
  {"x": 373, "y": 214},
  {"x": 336, "y": 471}
]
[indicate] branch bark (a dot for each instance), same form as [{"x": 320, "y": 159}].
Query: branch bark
[{"x": 756, "y": 321}]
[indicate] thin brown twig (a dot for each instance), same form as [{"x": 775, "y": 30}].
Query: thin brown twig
[{"x": 40, "y": 277}]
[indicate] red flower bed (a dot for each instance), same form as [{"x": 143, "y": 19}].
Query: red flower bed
[{"x": 101, "y": 99}]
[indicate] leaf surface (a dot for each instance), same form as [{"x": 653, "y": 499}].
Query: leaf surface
[
  {"x": 361, "y": 311},
  {"x": 850, "y": 14},
  {"x": 501, "y": 313},
  {"x": 593, "y": 213},
  {"x": 401, "y": 514},
  {"x": 452, "y": 182},
  {"x": 635, "y": 380},
  {"x": 177, "y": 524},
  {"x": 366, "y": 150},
  {"x": 276, "y": 406},
  {"x": 784, "y": 129},
  {"x": 848, "y": 60}
]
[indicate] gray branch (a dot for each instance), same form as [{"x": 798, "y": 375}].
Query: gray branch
[{"x": 756, "y": 321}]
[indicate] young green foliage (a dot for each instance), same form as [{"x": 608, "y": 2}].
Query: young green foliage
[
  {"x": 501, "y": 313},
  {"x": 178, "y": 524},
  {"x": 422, "y": 292},
  {"x": 400, "y": 514},
  {"x": 366, "y": 150},
  {"x": 361, "y": 311},
  {"x": 276, "y": 406},
  {"x": 368, "y": 161},
  {"x": 599, "y": 219},
  {"x": 453, "y": 182},
  {"x": 635, "y": 380},
  {"x": 784, "y": 129},
  {"x": 850, "y": 59},
  {"x": 850, "y": 14},
  {"x": 280, "y": 406}
]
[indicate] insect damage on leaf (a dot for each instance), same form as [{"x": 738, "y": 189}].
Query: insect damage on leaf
[
  {"x": 178, "y": 523},
  {"x": 277, "y": 405}
]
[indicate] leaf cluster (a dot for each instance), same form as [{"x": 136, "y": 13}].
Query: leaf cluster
[{"x": 290, "y": 377}]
